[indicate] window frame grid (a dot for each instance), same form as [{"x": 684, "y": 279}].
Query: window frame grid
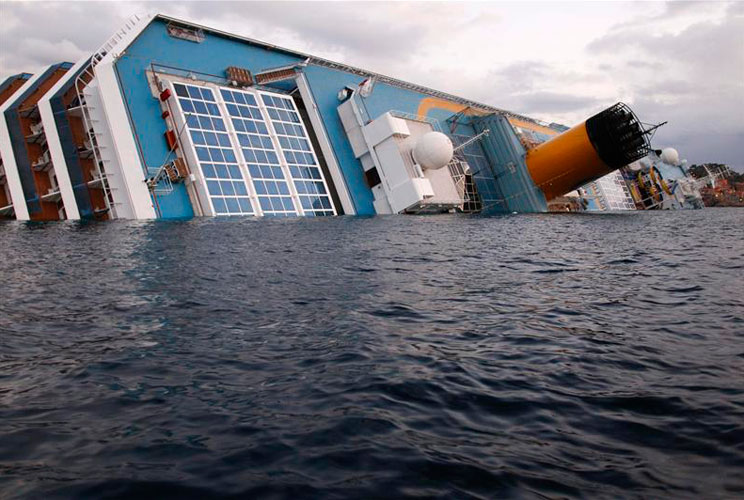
[
  {"x": 189, "y": 150},
  {"x": 276, "y": 149},
  {"x": 282, "y": 158},
  {"x": 192, "y": 156}
]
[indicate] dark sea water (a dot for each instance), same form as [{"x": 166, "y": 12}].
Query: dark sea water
[{"x": 526, "y": 356}]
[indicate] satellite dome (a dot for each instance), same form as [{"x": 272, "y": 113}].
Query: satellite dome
[
  {"x": 433, "y": 150},
  {"x": 670, "y": 156}
]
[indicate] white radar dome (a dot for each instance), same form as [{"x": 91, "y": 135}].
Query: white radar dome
[
  {"x": 670, "y": 156},
  {"x": 433, "y": 150}
]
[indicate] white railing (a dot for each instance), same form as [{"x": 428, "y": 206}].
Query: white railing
[{"x": 82, "y": 81}]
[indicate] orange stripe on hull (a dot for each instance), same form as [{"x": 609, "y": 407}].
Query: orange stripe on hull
[{"x": 428, "y": 103}]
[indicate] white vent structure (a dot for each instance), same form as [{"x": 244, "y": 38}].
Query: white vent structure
[{"x": 385, "y": 146}]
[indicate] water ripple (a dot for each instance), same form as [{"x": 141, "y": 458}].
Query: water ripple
[{"x": 586, "y": 356}]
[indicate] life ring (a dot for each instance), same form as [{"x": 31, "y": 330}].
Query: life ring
[
  {"x": 634, "y": 193},
  {"x": 649, "y": 187}
]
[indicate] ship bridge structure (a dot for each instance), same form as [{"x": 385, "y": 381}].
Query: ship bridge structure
[{"x": 170, "y": 119}]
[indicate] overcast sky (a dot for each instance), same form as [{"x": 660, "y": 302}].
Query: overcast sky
[{"x": 557, "y": 61}]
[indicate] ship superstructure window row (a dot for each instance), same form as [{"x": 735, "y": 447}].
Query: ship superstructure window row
[
  {"x": 253, "y": 152},
  {"x": 299, "y": 155},
  {"x": 219, "y": 166}
]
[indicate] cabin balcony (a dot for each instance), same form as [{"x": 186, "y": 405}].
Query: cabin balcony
[
  {"x": 43, "y": 163},
  {"x": 53, "y": 195},
  {"x": 96, "y": 181},
  {"x": 76, "y": 111},
  {"x": 6, "y": 211},
  {"x": 37, "y": 136},
  {"x": 30, "y": 112},
  {"x": 85, "y": 152}
]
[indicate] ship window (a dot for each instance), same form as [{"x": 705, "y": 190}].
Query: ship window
[
  {"x": 227, "y": 192},
  {"x": 185, "y": 32},
  {"x": 373, "y": 177},
  {"x": 295, "y": 145},
  {"x": 284, "y": 173},
  {"x": 181, "y": 90},
  {"x": 267, "y": 175}
]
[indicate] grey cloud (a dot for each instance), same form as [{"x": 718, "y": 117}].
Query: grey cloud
[
  {"x": 702, "y": 46},
  {"x": 383, "y": 37},
  {"x": 61, "y": 32},
  {"x": 672, "y": 9},
  {"x": 520, "y": 76},
  {"x": 548, "y": 103},
  {"x": 355, "y": 27},
  {"x": 360, "y": 33},
  {"x": 522, "y": 87},
  {"x": 668, "y": 87},
  {"x": 692, "y": 78},
  {"x": 701, "y": 132}
]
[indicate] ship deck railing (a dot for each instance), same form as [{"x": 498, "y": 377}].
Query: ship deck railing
[
  {"x": 37, "y": 137},
  {"x": 96, "y": 182},
  {"x": 52, "y": 195},
  {"x": 42, "y": 164},
  {"x": 30, "y": 112}
]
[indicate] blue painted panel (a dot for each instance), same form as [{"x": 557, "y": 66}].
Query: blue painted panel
[
  {"x": 591, "y": 199},
  {"x": 324, "y": 85},
  {"x": 175, "y": 205},
  {"x": 670, "y": 172},
  {"x": 484, "y": 176},
  {"x": 506, "y": 155}
]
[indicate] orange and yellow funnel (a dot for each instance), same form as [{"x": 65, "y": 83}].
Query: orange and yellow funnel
[{"x": 603, "y": 143}]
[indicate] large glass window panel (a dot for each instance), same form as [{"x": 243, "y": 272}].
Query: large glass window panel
[
  {"x": 219, "y": 167},
  {"x": 258, "y": 152},
  {"x": 297, "y": 151},
  {"x": 285, "y": 175}
]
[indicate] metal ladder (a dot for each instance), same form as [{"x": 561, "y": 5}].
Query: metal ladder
[{"x": 82, "y": 83}]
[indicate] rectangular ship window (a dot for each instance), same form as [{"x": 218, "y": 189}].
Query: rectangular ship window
[
  {"x": 258, "y": 152},
  {"x": 219, "y": 167},
  {"x": 245, "y": 137},
  {"x": 299, "y": 155}
]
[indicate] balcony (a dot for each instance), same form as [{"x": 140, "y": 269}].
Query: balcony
[
  {"x": 43, "y": 163},
  {"x": 85, "y": 151},
  {"x": 7, "y": 210},
  {"x": 37, "y": 135},
  {"x": 30, "y": 112},
  {"x": 96, "y": 181},
  {"x": 53, "y": 195},
  {"x": 76, "y": 111}
]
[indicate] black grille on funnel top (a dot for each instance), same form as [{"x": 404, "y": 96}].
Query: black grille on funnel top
[{"x": 617, "y": 136}]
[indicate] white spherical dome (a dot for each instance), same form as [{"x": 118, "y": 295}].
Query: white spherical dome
[
  {"x": 433, "y": 150},
  {"x": 670, "y": 156}
]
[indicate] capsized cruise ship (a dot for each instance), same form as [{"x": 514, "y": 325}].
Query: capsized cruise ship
[
  {"x": 659, "y": 181},
  {"x": 170, "y": 119}
]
